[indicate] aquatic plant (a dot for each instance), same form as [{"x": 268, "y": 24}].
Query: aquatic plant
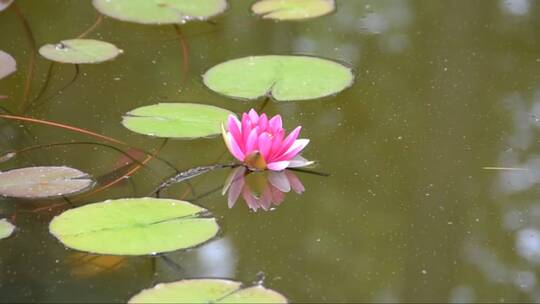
[{"x": 260, "y": 143}]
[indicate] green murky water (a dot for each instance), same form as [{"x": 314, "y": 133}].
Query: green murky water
[{"x": 411, "y": 211}]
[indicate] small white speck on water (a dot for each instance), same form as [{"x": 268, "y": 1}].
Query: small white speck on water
[{"x": 424, "y": 271}]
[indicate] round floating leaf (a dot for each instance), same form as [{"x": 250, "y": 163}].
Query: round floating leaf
[
  {"x": 6, "y": 228},
  {"x": 42, "y": 182},
  {"x": 160, "y": 11},
  {"x": 79, "y": 51},
  {"x": 4, "y": 4},
  {"x": 7, "y": 64},
  {"x": 285, "y": 78},
  {"x": 178, "y": 120},
  {"x": 207, "y": 291},
  {"x": 293, "y": 9},
  {"x": 134, "y": 226}
]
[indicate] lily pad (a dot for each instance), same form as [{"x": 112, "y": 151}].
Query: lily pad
[
  {"x": 177, "y": 120},
  {"x": 4, "y": 4},
  {"x": 207, "y": 291},
  {"x": 134, "y": 226},
  {"x": 42, "y": 182},
  {"x": 293, "y": 9},
  {"x": 7, "y": 64},
  {"x": 160, "y": 11},
  {"x": 285, "y": 78},
  {"x": 6, "y": 228},
  {"x": 79, "y": 51}
]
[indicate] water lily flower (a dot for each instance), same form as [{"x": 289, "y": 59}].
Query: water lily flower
[
  {"x": 260, "y": 189},
  {"x": 260, "y": 143}
]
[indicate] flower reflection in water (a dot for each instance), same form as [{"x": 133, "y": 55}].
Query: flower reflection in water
[{"x": 260, "y": 189}]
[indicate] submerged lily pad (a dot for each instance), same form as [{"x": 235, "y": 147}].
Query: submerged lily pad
[
  {"x": 134, "y": 226},
  {"x": 7, "y": 64},
  {"x": 80, "y": 51},
  {"x": 4, "y": 4},
  {"x": 177, "y": 120},
  {"x": 6, "y": 228},
  {"x": 293, "y": 9},
  {"x": 160, "y": 11},
  {"x": 42, "y": 182},
  {"x": 207, "y": 291},
  {"x": 285, "y": 78}
]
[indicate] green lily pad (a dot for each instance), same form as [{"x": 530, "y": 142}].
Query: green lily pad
[
  {"x": 6, "y": 228},
  {"x": 177, "y": 120},
  {"x": 160, "y": 11},
  {"x": 4, "y": 4},
  {"x": 79, "y": 51},
  {"x": 134, "y": 226},
  {"x": 7, "y": 64},
  {"x": 285, "y": 78},
  {"x": 42, "y": 182},
  {"x": 293, "y": 9},
  {"x": 207, "y": 291}
]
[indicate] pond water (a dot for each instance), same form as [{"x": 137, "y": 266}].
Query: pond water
[{"x": 433, "y": 153}]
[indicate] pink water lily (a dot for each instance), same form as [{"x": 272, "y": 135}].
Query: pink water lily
[{"x": 260, "y": 143}]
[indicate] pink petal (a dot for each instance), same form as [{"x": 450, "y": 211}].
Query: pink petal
[
  {"x": 233, "y": 126},
  {"x": 234, "y": 191},
  {"x": 277, "y": 196},
  {"x": 277, "y": 166},
  {"x": 295, "y": 182},
  {"x": 288, "y": 141},
  {"x": 265, "y": 144},
  {"x": 275, "y": 124},
  {"x": 266, "y": 199},
  {"x": 280, "y": 181},
  {"x": 277, "y": 142},
  {"x": 251, "y": 142},
  {"x": 295, "y": 148},
  {"x": 253, "y": 116},
  {"x": 298, "y": 161},
  {"x": 246, "y": 127},
  {"x": 235, "y": 175},
  {"x": 263, "y": 122},
  {"x": 251, "y": 200},
  {"x": 234, "y": 148}
]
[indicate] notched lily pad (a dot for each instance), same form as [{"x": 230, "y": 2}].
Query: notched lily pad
[
  {"x": 80, "y": 51},
  {"x": 4, "y": 4},
  {"x": 207, "y": 291},
  {"x": 7, "y": 64},
  {"x": 160, "y": 11},
  {"x": 176, "y": 120},
  {"x": 6, "y": 228},
  {"x": 134, "y": 226},
  {"x": 284, "y": 78},
  {"x": 293, "y": 9},
  {"x": 43, "y": 182}
]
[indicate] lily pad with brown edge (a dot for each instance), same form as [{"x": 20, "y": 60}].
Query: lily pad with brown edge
[
  {"x": 293, "y": 9},
  {"x": 7, "y": 64},
  {"x": 282, "y": 77},
  {"x": 43, "y": 182},
  {"x": 80, "y": 51},
  {"x": 207, "y": 291},
  {"x": 6, "y": 228},
  {"x": 134, "y": 226},
  {"x": 176, "y": 120},
  {"x": 160, "y": 11}
]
